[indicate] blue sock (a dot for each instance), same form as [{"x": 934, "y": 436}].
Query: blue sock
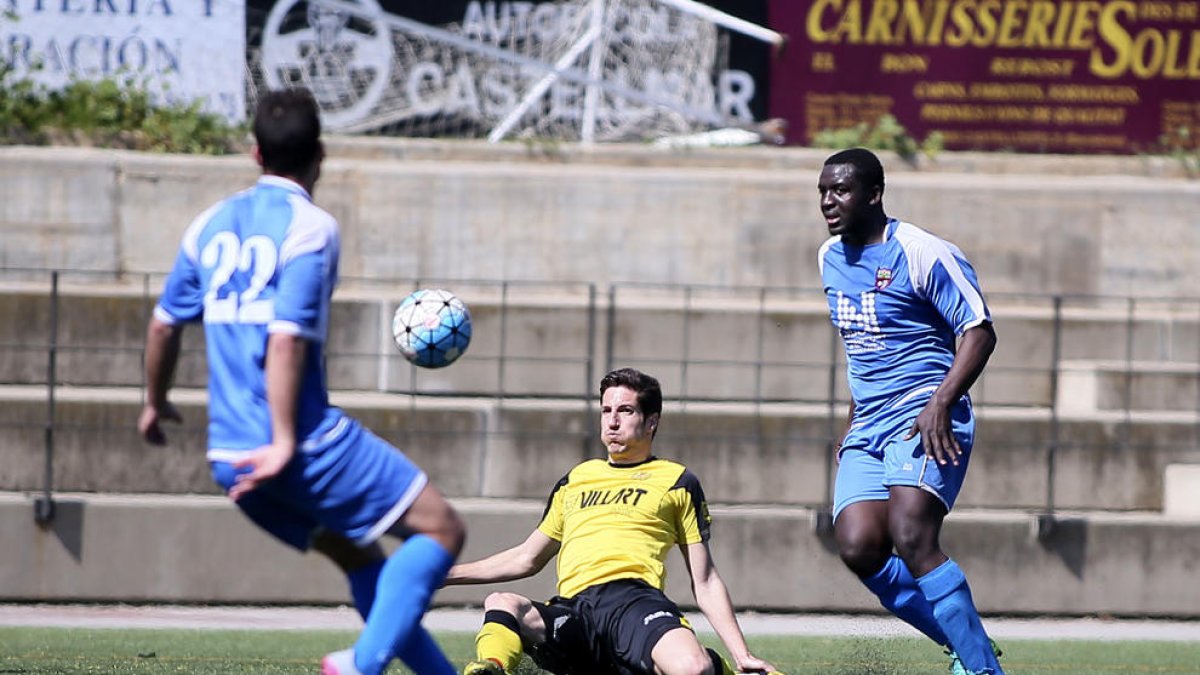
[
  {"x": 422, "y": 655},
  {"x": 363, "y": 582},
  {"x": 899, "y": 594},
  {"x": 406, "y": 584},
  {"x": 946, "y": 589}
]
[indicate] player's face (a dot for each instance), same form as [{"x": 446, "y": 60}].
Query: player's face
[
  {"x": 846, "y": 202},
  {"x": 626, "y": 432}
]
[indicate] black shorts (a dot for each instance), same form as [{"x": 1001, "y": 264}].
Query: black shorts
[{"x": 605, "y": 630}]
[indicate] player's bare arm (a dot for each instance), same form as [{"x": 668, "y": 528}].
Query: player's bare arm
[
  {"x": 284, "y": 372},
  {"x": 162, "y": 353},
  {"x": 712, "y": 596},
  {"x": 933, "y": 422},
  {"x": 523, "y": 560}
]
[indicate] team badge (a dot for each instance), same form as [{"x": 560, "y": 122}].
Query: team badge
[{"x": 883, "y": 278}]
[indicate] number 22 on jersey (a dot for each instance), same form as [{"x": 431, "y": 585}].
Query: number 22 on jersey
[{"x": 230, "y": 296}]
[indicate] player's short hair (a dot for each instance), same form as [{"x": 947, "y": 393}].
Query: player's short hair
[
  {"x": 866, "y": 165},
  {"x": 287, "y": 129},
  {"x": 649, "y": 393}
]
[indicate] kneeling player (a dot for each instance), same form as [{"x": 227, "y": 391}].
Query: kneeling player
[{"x": 611, "y": 523}]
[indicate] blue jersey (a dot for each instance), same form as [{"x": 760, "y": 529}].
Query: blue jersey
[
  {"x": 262, "y": 261},
  {"x": 899, "y": 305}
]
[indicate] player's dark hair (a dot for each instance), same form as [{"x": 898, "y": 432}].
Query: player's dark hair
[
  {"x": 866, "y": 165},
  {"x": 649, "y": 393},
  {"x": 287, "y": 128}
]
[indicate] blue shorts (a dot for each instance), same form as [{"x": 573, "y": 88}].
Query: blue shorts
[
  {"x": 873, "y": 460},
  {"x": 357, "y": 485}
]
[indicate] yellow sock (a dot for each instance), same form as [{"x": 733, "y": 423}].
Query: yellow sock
[{"x": 499, "y": 640}]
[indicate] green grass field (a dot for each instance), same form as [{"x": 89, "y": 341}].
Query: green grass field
[{"x": 184, "y": 652}]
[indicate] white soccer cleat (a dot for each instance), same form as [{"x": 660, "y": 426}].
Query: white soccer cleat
[{"x": 339, "y": 663}]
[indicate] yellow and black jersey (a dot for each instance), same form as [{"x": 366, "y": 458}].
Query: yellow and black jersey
[{"x": 621, "y": 521}]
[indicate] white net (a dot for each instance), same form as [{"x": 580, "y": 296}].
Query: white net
[{"x": 602, "y": 70}]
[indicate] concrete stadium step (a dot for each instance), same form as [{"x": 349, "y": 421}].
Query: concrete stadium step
[
  {"x": 516, "y": 448},
  {"x": 756, "y": 157},
  {"x": 137, "y": 548},
  {"x": 704, "y": 344},
  {"x": 1181, "y": 490},
  {"x": 1097, "y": 384}
]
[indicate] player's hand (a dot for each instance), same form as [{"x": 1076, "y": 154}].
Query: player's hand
[
  {"x": 150, "y": 422},
  {"x": 933, "y": 424},
  {"x": 752, "y": 664},
  {"x": 265, "y": 463}
]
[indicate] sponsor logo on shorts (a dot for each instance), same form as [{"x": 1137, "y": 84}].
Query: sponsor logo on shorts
[{"x": 662, "y": 614}]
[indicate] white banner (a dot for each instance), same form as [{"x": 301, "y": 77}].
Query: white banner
[{"x": 182, "y": 50}]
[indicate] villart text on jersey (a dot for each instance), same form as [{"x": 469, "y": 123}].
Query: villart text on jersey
[{"x": 630, "y": 496}]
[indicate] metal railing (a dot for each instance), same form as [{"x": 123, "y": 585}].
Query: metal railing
[{"x": 1131, "y": 365}]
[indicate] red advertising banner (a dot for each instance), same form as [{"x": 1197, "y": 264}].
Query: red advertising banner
[{"x": 1076, "y": 76}]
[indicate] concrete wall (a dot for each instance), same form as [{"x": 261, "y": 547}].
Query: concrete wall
[
  {"x": 185, "y": 550},
  {"x": 518, "y": 449},
  {"x": 535, "y": 342},
  {"x": 501, "y": 444},
  {"x": 419, "y": 211},
  {"x": 1029, "y": 224}
]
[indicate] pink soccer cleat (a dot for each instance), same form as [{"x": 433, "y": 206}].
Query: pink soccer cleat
[{"x": 339, "y": 663}]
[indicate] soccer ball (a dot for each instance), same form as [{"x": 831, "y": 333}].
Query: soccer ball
[{"x": 432, "y": 328}]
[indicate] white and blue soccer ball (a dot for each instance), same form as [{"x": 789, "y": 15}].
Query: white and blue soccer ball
[{"x": 432, "y": 328}]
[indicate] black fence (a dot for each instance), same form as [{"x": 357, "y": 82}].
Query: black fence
[{"x": 1118, "y": 377}]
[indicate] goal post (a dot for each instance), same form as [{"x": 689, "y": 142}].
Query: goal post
[{"x": 585, "y": 70}]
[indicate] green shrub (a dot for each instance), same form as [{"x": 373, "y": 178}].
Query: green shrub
[
  {"x": 1184, "y": 146},
  {"x": 108, "y": 113},
  {"x": 885, "y": 134}
]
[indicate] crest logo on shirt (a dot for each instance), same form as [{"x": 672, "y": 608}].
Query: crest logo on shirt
[{"x": 883, "y": 278}]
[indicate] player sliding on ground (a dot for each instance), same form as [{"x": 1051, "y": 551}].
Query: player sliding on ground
[
  {"x": 899, "y": 297},
  {"x": 612, "y": 523}
]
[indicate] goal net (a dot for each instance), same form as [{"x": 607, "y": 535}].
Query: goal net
[{"x": 589, "y": 70}]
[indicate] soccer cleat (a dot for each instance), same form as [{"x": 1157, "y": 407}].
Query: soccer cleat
[
  {"x": 484, "y": 667},
  {"x": 339, "y": 663},
  {"x": 956, "y": 666}
]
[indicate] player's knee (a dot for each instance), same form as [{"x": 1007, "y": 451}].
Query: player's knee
[
  {"x": 433, "y": 516},
  {"x": 449, "y": 530},
  {"x": 344, "y": 553},
  {"x": 863, "y": 555},
  {"x": 862, "y": 545},
  {"x": 913, "y": 542},
  {"x": 455, "y": 532},
  {"x": 679, "y": 653},
  {"x": 700, "y": 663},
  {"x": 719, "y": 665},
  {"x": 505, "y": 602}
]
